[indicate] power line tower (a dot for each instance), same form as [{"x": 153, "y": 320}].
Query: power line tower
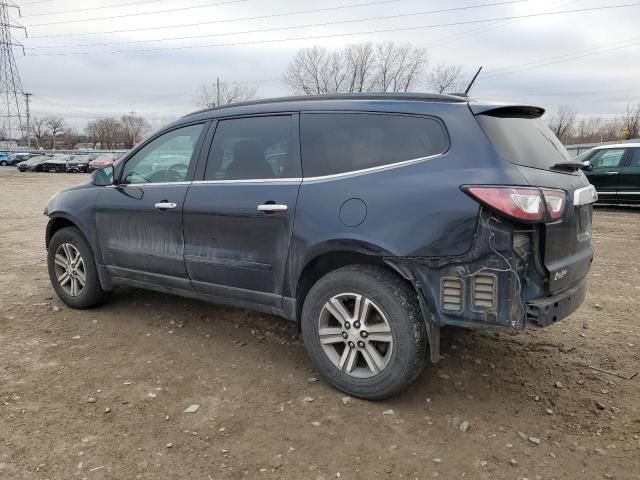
[{"x": 12, "y": 100}]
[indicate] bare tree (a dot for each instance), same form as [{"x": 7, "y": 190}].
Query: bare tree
[
  {"x": 588, "y": 129},
  {"x": 55, "y": 125},
  {"x": 361, "y": 67},
  {"x": 307, "y": 72},
  {"x": 631, "y": 122},
  {"x": 206, "y": 96},
  {"x": 360, "y": 63},
  {"x": 562, "y": 122},
  {"x": 38, "y": 130},
  {"x": 444, "y": 78},
  {"x": 134, "y": 128},
  {"x": 399, "y": 67}
]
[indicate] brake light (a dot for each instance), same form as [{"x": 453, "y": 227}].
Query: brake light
[
  {"x": 555, "y": 200},
  {"x": 527, "y": 204}
]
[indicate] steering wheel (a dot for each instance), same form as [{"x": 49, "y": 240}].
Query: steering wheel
[{"x": 176, "y": 173}]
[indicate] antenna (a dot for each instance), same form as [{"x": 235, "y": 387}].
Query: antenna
[{"x": 466, "y": 92}]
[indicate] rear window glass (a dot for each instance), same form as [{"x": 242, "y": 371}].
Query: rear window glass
[
  {"x": 524, "y": 141},
  {"x": 345, "y": 142}
]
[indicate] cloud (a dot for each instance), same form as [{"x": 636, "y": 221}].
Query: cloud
[{"x": 160, "y": 84}]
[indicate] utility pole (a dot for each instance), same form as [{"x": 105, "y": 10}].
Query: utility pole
[
  {"x": 218, "y": 91},
  {"x": 12, "y": 101},
  {"x": 26, "y": 98}
]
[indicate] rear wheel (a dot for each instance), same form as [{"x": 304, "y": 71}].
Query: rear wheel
[
  {"x": 72, "y": 270},
  {"x": 363, "y": 331}
]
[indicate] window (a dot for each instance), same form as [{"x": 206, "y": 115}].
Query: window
[
  {"x": 607, "y": 158},
  {"x": 336, "y": 143},
  {"x": 635, "y": 159},
  {"x": 253, "y": 148},
  {"x": 524, "y": 141},
  {"x": 164, "y": 159}
]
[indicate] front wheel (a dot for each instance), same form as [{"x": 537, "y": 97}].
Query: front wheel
[
  {"x": 4, "y": 163},
  {"x": 364, "y": 332},
  {"x": 72, "y": 270}
]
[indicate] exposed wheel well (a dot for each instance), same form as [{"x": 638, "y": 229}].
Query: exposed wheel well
[
  {"x": 56, "y": 224},
  {"x": 327, "y": 262}
]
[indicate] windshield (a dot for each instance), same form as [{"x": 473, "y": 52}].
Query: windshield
[{"x": 524, "y": 141}]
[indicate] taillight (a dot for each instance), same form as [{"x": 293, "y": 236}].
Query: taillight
[
  {"x": 555, "y": 200},
  {"x": 527, "y": 204}
]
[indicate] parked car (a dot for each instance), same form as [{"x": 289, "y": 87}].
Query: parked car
[
  {"x": 615, "y": 172},
  {"x": 102, "y": 161},
  {"x": 56, "y": 163},
  {"x": 34, "y": 164},
  {"x": 78, "y": 163},
  {"x": 372, "y": 220},
  {"x": 5, "y": 159}
]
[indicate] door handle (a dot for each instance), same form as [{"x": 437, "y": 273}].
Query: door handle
[
  {"x": 612, "y": 173},
  {"x": 272, "y": 208},
  {"x": 165, "y": 205}
]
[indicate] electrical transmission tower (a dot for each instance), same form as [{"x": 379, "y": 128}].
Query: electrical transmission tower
[{"x": 12, "y": 100}]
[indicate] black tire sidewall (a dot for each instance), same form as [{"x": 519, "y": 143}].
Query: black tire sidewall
[
  {"x": 92, "y": 294},
  {"x": 402, "y": 313}
]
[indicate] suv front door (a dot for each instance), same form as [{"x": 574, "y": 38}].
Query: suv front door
[
  {"x": 238, "y": 219},
  {"x": 139, "y": 219},
  {"x": 629, "y": 190},
  {"x": 606, "y": 165}
]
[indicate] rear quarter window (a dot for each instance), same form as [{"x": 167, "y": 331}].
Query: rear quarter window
[{"x": 344, "y": 142}]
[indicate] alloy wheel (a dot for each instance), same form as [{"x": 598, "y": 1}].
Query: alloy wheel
[
  {"x": 70, "y": 269},
  {"x": 355, "y": 335}
]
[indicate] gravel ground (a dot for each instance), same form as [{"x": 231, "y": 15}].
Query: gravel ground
[{"x": 101, "y": 394}]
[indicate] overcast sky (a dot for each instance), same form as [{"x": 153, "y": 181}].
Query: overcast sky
[{"x": 86, "y": 82}]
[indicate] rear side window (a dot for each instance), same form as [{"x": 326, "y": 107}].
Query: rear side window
[
  {"x": 344, "y": 142},
  {"x": 524, "y": 141},
  {"x": 635, "y": 159},
  {"x": 253, "y": 148}
]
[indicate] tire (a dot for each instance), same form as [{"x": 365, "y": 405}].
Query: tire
[
  {"x": 91, "y": 294},
  {"x": 394, "y": 317},
  {"x": 4, "y": 163}
]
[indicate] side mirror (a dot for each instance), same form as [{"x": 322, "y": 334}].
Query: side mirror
[
  {"x": 102, "y": 177},
  {"x": 587, "y": 165}
]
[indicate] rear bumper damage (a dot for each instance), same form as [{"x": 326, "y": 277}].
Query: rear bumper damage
[
  {"x": 500, "y": 282},
  {"x": 546, "y": 311}
]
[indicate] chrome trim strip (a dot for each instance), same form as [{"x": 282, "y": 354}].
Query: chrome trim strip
[
  {"x": 256, "y": 180},
  {"x": 138, "y": 185},
  {"x": 364, "y": 171},
  {"x": 585, "y": 195},
  {"x": 627, "y": 193}
]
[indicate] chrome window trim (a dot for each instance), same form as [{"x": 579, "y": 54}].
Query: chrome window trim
[
  {"x": 249, "y": 181},
  {"x": 150, "y": 184},
  {"x": 364, "y": 171},
  {"x": 585, "y": 195}
]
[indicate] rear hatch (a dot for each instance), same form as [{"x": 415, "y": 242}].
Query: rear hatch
[{"x": 520, "y": 136}]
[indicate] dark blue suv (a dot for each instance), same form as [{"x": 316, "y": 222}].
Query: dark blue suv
[{"x": 372, "y": 220}]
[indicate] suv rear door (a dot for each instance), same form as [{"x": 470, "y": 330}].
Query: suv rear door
[
  {"x": 629, "y": 178},
  {"x": 521, "y": 137},
  {"x": 606, "y": 166},
  {"x": 238, "y": 218}
]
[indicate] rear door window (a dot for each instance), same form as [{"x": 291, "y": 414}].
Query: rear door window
[
  {"x": 524, "y": 141},
  {"x": 253, "y": 148},
  {"x": 345, "y": 142}
]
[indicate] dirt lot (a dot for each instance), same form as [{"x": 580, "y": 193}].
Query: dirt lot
[{"x": 100, "y": 394}]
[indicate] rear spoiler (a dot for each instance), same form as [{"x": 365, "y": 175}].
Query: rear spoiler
[{"x": 506, "y": 111}]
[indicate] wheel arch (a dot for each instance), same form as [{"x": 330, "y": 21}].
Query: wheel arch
[{"x": 323, "y": 263}]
